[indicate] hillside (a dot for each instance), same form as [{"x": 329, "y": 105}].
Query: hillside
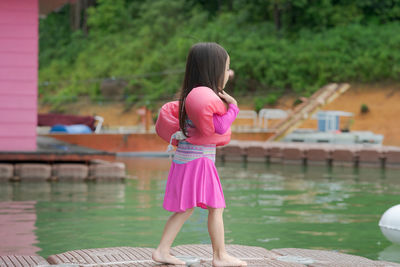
[
  {"x": 275, "y": 47},
  {"x": 383, "y": 102}
]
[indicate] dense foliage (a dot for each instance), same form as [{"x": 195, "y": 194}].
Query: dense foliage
[{"x": 275, "y": 45}]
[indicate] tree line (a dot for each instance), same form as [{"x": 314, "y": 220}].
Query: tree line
[{"x": 276, "y": 46}]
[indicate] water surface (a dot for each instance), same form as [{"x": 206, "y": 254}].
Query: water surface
[{"x": 270, "y": 206}]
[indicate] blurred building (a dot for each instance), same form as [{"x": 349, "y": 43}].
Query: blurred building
[{"x": 19, "y": 20}]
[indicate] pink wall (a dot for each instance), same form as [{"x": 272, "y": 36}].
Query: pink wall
[{"x": 18, "y": 74}]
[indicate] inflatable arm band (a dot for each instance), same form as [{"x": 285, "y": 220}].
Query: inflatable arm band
[
  {"x": 168, "y": 121},
  {"x": 200, "y": 105}
]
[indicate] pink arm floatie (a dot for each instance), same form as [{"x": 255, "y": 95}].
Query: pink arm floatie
[
  {"x": 168, "y": 121},
  {"x": 201, "y": 104}
]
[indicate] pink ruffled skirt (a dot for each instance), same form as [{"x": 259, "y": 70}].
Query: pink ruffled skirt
[{"x": 193, "y": 179}]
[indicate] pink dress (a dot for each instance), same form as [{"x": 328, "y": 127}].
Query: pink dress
[{"x": 193, "y": 179}]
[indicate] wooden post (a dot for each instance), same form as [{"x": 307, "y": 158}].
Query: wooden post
[
  {"x": 145, "y": 117},
  {"x": 148, "y": 120}
]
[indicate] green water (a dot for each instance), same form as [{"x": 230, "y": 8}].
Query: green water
[{"x": 268, "y": 206}]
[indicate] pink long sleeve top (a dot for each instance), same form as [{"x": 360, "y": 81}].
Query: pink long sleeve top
[{"x": 223, "y": 122}]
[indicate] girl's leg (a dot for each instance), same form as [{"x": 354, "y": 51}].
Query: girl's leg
[
  {"x": 171, "y": 229},
  {"x": 217, "y": 235}
]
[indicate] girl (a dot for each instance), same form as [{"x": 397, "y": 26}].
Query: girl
[{"x": 193, "y": 179}]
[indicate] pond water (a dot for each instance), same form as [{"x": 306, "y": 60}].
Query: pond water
[{"x": 270, "y": 206}]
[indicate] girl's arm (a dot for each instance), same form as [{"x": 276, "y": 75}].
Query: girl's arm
[{"x": 223, "y": 122}]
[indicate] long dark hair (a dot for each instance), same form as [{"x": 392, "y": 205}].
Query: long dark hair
[{"x": 205, "y": 66}]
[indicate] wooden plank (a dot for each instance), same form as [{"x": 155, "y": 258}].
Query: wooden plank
[
  {"x": 121, "y": 255},
  {"x": 25, "y": 155},
  {"x": 6, "y": 5},
  {"x": 19, "y": 73},
  {"x": 19, "y": 16},
  {"x": 18, "y": 116},
  {"x": 18, "y": 88},
  {"x": 16, "y": 260},
  {"x": 130, "y": 256},
  {"x": 27, "y": 45},
  {"x": 27, "y": 31},
  {"x": 201, "y": 255},
  {"x": 17, "y": 60},
  {"x": 18, "y": 102},
  {"x": 17, "y": 130},
  {"x": 329, "y": 258}
]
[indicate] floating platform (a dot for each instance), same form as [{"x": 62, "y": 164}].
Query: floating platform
[
  {"x": 195, "y": 256},
  {"x": 57, "y": 160},
  {"x": 95, "y": 170},
  {"x": 52, "y": 150},
  {"x": 311, "y": 154}
]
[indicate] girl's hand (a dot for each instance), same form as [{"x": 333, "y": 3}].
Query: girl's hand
[
  {"x": 227, "y": 98},
  {"x": 231, "y": 74}
]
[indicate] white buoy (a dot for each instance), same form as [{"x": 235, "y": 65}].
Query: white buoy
[{"x": 390, "y": 224}]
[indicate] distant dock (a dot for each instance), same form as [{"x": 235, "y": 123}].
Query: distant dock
[
  {"x": 53, "y": 150},
  {"x": 311, "y": 154},
  {"x": 57, "y": 160}
]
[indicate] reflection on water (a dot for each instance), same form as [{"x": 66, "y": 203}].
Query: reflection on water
[
  {"x": 390, "y": 253},
  {"x": 314, "y": 207},
  {"x": 17, "y": 225},
  {"x": 271, "y": 206}
]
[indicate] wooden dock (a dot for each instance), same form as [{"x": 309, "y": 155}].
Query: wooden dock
[
  {"x": 57, "y": 160},
  {"x": 311, "y": 154},
  {"x": 195, "y": 256},
  {"x": 51, "y": 149}
]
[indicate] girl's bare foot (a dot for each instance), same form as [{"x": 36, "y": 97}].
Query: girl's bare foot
[
  {"x": 166, "y": 258},
  {"x": 227, "y": 260}
]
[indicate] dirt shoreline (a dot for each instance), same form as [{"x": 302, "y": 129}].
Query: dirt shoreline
[
  {"x": 383, "y": 117},
  {"x": 383, "y": 101}
]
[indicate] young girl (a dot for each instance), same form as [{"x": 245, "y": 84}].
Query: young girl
[{"x": 193, "y": 179}]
